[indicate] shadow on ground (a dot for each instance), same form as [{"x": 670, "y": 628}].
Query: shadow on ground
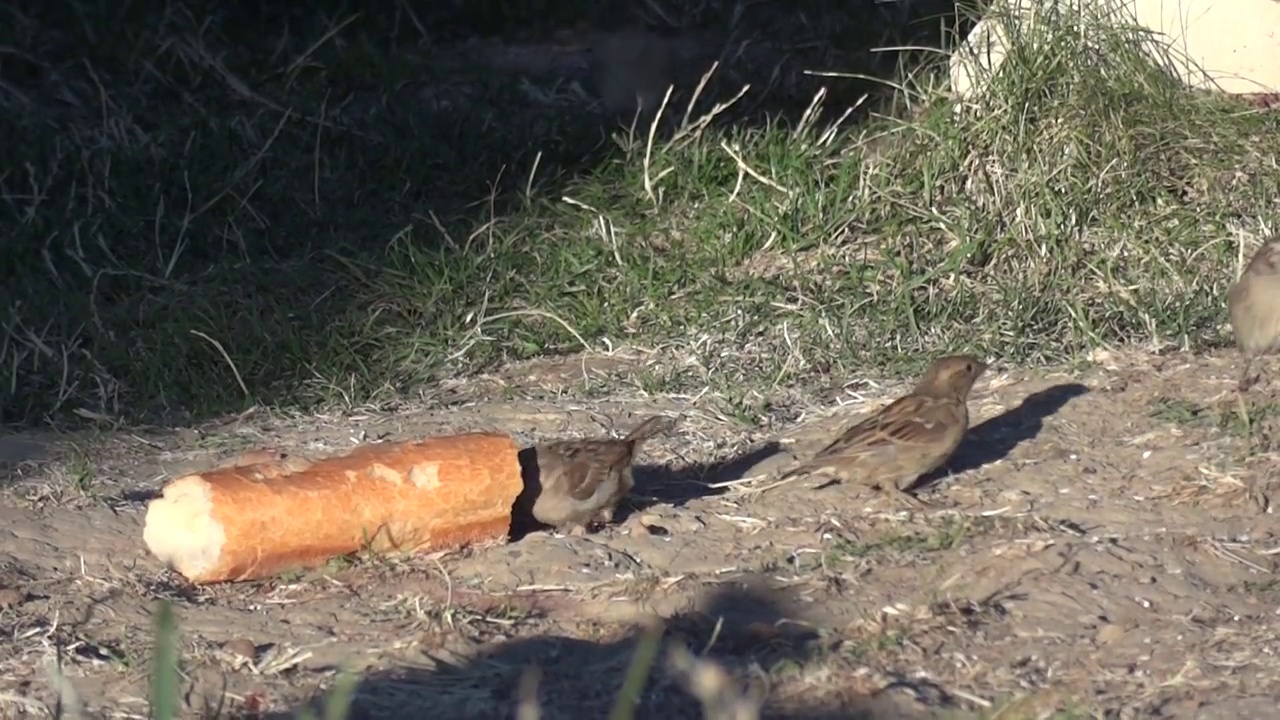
[
  {"x": 745, "y": 627},
  {"x": 994, "y": 439}
]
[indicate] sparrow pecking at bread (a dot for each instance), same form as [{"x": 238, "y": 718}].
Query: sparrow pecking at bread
[
  {"x": 906, "y": 439},
  {"x": 582, "y": 481},
  {"x": 1254, "y": 305}
]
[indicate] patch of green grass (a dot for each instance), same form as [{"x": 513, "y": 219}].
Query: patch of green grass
[
  {"x": 1178, "y": 411},
  {"x": 80, "y": 470},
  {"x": 887, "y": 640},
  {"x": 1265, "y": 588},
  {"x": 1030, "y": 706},
  {"x": 315, "y": 210},
  {"x": 949, "y": 534},
  {"x": 1254, "y": 421}
]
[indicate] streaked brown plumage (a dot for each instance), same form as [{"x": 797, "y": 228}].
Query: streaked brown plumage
[
  {"x": 582, "y": 481},
  {"x": 908, "y": 438},
  {"x": 1254, "y": 305}
]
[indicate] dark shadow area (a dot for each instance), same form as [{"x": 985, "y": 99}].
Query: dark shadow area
[
  {"x": 994, "y": 439},
  {"x": 227, "y": 204},
  {"x": 18, "y": 452},
  {"x": 655, "y": 485},
  {"x": 660, "y": 485},
  {"x": 138, "y": 495},
  {"x": 745, "y": 628}
]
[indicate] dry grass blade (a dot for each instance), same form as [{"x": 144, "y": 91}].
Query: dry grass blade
[{"x": 715, "y": 690}]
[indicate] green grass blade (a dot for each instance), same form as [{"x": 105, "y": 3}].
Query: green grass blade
[
  {"x": 164, "y": 664},
  {"x": 624, "y": 706}
]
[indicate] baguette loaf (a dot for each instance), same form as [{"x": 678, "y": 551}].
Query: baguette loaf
[{"x": 252, "y": 519}]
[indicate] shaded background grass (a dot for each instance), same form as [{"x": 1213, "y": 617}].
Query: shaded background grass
[{"x": 213, "y": 206}]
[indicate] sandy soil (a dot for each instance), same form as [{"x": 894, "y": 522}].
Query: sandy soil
[{"x": 1104, "y": 546}]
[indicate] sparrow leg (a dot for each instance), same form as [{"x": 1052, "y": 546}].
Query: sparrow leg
[
  {"x": 578, "y": 530},
  {"x": 1247, "y": 382},
  {"x": 918, "y": 502}
]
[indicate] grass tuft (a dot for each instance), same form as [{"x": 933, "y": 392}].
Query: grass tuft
[{"x": 293, "y": 230}]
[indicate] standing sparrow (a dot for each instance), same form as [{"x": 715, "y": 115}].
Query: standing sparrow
[
  {"x": 1254, "y": 304},
  {"x": 582, "y": 481},
  {"x": 910, "y": 437}
]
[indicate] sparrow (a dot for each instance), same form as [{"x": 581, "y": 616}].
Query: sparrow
[
  {"x": 1254, "y": 305},
  {"x": 906, "y": 439},
  {"x": 582, "y": 481}
]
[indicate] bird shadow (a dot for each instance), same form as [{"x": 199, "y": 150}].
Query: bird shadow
[
  {"x": 994, "y": 439},
  {"x": 656, "y": 484},
  {"x": 662, "y": 485},
  {"x": 739, "y": 631}
]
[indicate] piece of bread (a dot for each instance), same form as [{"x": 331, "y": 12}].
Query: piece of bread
[{"x": 252, "y": 518}]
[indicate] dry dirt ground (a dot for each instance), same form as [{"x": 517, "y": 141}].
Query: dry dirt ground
[{"x": 1104, "y": 546}]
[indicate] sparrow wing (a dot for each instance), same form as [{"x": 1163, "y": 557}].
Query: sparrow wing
[
  {"x": 589, "y": 465},
  {"x": 910, "y": 426}
]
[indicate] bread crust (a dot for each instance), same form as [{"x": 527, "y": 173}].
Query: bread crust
[{"x": 248, "y": 520}]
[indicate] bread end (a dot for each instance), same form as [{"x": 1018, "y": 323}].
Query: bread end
[{"x": 180, "y": 530}]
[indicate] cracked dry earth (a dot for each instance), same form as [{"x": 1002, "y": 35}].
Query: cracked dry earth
[{"x": 1103, "y": 547}]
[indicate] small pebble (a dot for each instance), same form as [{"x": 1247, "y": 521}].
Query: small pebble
[
  {"x": 241, "y": 647},
  {"x": 1109, "y": 634},
  {"x": 652, "y": 523},
  {"x": 657, "y": 530},
  {"x": 11, "y": 598}
]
